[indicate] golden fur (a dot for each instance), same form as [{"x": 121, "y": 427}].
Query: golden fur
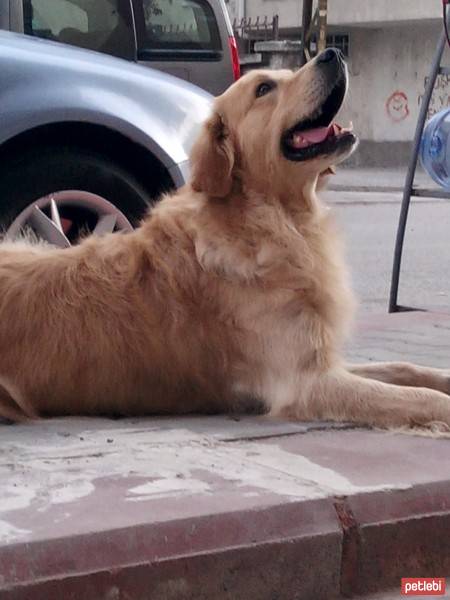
[{"x": 232, "y": 290}]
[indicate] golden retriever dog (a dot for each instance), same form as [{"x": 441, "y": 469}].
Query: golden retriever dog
[{"x": 231, "y": 295}]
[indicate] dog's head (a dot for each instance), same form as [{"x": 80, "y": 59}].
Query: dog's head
[{"x": 273, "y": 131}]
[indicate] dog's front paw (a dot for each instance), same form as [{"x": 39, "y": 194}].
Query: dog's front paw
[
  {"x": 444, "y": 380},
  {"x": 441, "y": 381},
  {"x": 447, "y": 382}
]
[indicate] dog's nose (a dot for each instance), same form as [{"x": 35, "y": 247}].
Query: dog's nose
[{"x": 329, "y": 55}]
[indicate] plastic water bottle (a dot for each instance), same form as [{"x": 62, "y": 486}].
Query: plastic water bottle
[{"x": 435, "y": 148}]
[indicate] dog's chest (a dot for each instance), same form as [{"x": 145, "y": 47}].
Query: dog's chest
[
  {"x": 284, "y": 294},
  {"x": 274, "y": 346}
]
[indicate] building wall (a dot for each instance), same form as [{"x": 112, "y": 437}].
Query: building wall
[
  {"x": 387, "y": 70},
  {"x": 341, "y": 12},
  {"x": 378, "y": 12},
  {"x": 388, "y": 66},
  {"x": 289, "y": 11},
  {"x": 235, "y": 9}
]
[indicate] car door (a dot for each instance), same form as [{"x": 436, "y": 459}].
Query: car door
[
  {"x": 102, "y": 25},
  {"x": 187, "y": 38}
]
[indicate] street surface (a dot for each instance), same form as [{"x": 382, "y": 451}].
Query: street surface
[{"x": 369, "y": 223}]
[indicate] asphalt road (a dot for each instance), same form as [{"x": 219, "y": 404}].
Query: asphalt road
[{"x": 369, "y": 224}]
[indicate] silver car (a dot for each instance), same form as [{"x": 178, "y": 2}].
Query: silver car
[
  {"x": 191, "y": 39},
  {"x": 87, "y": 141}
]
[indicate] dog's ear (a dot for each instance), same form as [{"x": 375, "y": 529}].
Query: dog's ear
[{"x": 212, "y": 159}]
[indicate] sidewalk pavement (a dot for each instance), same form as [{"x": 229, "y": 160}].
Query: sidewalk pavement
[
  {"x": 379, "y": 179},
  {"x": 228, "y": 508}
]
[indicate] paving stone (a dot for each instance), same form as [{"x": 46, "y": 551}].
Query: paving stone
[{"x": 227, "y": 507}]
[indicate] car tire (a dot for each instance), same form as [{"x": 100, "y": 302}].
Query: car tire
[{"x": 38, "y": 172}]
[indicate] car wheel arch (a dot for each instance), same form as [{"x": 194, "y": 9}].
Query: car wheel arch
[{"x": 112, "y": 144}]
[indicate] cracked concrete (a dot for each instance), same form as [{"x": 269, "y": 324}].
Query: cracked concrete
[{"x": 226, "y": 505}]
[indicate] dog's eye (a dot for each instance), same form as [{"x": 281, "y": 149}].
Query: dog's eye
[{"x": 264, "y": 88}]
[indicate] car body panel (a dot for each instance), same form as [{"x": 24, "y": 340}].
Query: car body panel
[
  {"x": 214, "y": 74},
  {"x": 180, "y": 173},
  {"x": 4, "y": 15},
  {"x": 60, "y": 83}
]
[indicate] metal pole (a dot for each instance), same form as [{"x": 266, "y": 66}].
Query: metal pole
[
  {"x": 409, "y": 181},
  {"x": 306, "y": 23},
  {"x": 276, "y": 27},
  {"x": 323, "y": 7}
]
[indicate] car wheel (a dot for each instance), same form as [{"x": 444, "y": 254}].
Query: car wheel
[{"x": 64, "y": 193}]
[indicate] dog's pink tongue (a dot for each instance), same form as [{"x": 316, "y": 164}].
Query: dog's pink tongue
[{"x": 311, "y": 136}]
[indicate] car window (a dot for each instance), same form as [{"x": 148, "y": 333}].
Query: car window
[
  {"x": 102, "y": 25},
  {"x": 180, "y": 25}
]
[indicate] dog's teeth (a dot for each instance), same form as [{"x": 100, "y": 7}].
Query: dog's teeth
[
  {"x": 298, "y": 140},
  {"x": 347, "y": 129},
  {"x": 350, "y": 127}
]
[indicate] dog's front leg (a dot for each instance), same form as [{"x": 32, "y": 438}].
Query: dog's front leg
[
  {"x": 403, "y": 373},
  {"x": 339, "y": 395}
]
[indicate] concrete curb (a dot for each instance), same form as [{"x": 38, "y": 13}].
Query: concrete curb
[
  {"x": 268, "y": 553},
  {"x": 364, "y": 188},
  {"x": 212, "y": 508},
  {"x": 395, "y": 535},
  {"x": 304, "y": 550}
]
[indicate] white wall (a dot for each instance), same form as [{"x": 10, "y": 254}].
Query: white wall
[
  {"x": 387, "y": 77},
  {"x": 376, "y": 12},
  {"x": 388, "y": 64},
  {"x": 235, "y": 9},
  {"x": 348, "y": 12},
  {"x": 289, "y": 11}
]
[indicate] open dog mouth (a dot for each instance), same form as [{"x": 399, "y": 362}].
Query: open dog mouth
[{"x": 319, "y": 136}]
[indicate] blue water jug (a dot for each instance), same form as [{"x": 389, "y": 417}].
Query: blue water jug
[{"x": 435, "y": 148}]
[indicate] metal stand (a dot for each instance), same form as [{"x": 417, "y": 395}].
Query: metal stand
[{"x": 409, "y": 189}]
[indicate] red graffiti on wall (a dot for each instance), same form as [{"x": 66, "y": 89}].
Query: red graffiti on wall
[
  {"x": 397, "y": 106},
  {"x": 440, "y": 98}
]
